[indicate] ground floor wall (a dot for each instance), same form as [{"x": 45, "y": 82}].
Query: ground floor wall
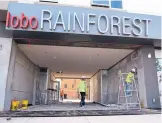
[
  {"x": 21, "y": 78},
  {"x": 144, "y": 60}
]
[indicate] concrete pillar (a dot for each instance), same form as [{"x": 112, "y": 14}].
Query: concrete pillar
[
  {"x": 9, "y": 84},
  {"x": 149, "y": 83},
  {"x": 5, "y": 52},
  {"x": 104, "y": 88},
  {"x": 36, "y": 79}
]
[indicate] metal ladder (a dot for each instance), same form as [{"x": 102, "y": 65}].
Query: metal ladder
[{"x": 130, "y": 101}]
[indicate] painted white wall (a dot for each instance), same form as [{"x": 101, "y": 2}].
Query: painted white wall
[
  {"x": 143, "y": 6},
  {"x": 66, "y": 2},
  {"x": 158, "y": 54},
  {"x": 137, "y": 6},
  {"x": 76, "y": 2},
  {"x": 5, "y": 51}
]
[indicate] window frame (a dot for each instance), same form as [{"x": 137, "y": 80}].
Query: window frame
[
  {"x": 66, "y": 86},
  {"x": 101, "y": 5},
  {"x": 73, "y": 86},
  {"x": 50, "y": 1}
]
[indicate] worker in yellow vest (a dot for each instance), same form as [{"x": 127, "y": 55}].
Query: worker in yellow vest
[
  {"x": 128, "y": 82},
  {"x": 82, "y": 90}
]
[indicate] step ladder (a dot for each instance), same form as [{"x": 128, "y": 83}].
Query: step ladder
[{"x": 125, "y": 101}]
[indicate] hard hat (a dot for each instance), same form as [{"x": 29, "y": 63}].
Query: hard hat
[
  {"x": 83, "y": 77},
  {"x": 133, "y": 70}
]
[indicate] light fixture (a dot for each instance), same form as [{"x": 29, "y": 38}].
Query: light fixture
[
  {"x": 54, "y": 57},
  {"x": 59, "y": 71},
  {"x": 89, "y": 57},
  {"x": 149, "y": 55}
]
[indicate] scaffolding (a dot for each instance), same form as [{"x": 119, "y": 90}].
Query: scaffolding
[
  {"x": 132, "y": 100},
  {"x": 48, "y": 96}
]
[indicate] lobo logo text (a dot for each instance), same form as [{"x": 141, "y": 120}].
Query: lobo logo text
[{"x": 21, "y": 22}]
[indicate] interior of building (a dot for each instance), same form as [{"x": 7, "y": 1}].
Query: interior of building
[{"x": 42, "y": 71}]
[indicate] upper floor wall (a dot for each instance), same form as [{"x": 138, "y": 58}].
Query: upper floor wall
[
  {"x": 135, "y": 6},
  {"x": 105, "y": 3},
  {"x": 85, "y": 3}
]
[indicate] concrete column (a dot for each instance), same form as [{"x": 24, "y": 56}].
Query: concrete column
[
  {"x": 148, "y": 83},
  {"x": 104, "y": 90},
  {"x": 36, "y": 79},
  {"x": 5, "y": 52},
  {"x": 8, "y": 95}
]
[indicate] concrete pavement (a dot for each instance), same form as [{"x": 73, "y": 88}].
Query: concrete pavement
[{"x": 152, "y": 118}]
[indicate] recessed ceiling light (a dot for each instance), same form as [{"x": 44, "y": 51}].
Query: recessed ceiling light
[
  {"x": 59, "y": 72},
  {"x": 90, "y": 58},
  {"x": 54, "y": 57}
]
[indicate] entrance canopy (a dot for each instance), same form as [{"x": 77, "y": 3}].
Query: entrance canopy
[{"x": 55, "y": 22}]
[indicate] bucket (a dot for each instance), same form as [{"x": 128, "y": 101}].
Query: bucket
[
  {"x": 15, "y": 104},
  {"x": 24, "y": 104}
]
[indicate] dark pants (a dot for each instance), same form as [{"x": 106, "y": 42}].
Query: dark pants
[
  {"x": 83, "y": 94},
  {"x": 62, "y": 98}
]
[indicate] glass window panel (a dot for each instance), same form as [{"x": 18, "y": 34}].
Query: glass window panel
[
  {"x": 116, "y": 4},
  {"x": 100, "y": 2}
]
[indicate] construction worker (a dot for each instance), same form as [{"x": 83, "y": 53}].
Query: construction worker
[
  {"x": 62, "y": 95},
  {"x": 128, "y": 81},
  {"x": 82, "y": 91}
]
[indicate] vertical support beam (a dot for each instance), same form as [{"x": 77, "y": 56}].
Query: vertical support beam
[
  {"x": 104, "y": 87},
  {"x": 36, "y": 79},
  {"x": 150, "y": 83},
  {"x": 5, "y": 52}
]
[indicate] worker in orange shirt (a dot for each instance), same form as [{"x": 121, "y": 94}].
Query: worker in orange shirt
[{"x": 62, "y": 95}]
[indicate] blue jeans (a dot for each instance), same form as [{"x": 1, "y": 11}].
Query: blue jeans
[{"x": 128, "y": 88}]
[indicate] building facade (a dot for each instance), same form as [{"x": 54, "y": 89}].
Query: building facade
[
  {"x": 70, "y": 88},
  {"x": 96, "y": 22}
]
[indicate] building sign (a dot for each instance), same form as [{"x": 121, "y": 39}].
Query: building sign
[
  {"x": 23, "y": 21},
  {"x": 81, "y": 21}
]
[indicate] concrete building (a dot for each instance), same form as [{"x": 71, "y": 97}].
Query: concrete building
[{"x": 38, "y": 39}]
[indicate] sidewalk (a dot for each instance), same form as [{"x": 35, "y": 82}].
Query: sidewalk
[{"x": 102, "y": 119}]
